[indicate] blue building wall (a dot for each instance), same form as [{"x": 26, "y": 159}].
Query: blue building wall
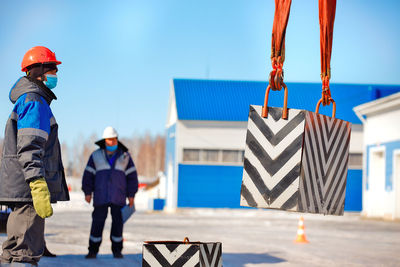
[
  {"x": 390, "y": 147},
  {"x": 353, "y": 198},
  {"x": 209, "y": 186},
  {"x": 213, "y": 186}
]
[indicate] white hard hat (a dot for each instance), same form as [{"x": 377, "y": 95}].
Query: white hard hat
[{"x": 109, "y": 132}]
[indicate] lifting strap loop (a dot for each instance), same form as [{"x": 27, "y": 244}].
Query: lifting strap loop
[
  {"x": 281, "y": 18},
  {"x": 333, "y": 107},
  {"x": 264, "y": 113},
  {"x": 327, "y": 10}
]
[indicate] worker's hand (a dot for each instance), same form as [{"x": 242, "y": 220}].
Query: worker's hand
[
  {"x": 41, "y": 197},
  {"x": 88, "y": 198},
  {"x": 131, "y": 201}
]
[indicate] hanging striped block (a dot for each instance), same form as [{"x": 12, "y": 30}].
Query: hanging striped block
[
  {"x": 174, "y": 254},
  {"x": 298, "y": 164}
]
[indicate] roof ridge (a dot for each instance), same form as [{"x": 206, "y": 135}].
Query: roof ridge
[{"x": 287, "y": 82}]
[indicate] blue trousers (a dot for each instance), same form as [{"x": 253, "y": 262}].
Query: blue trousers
[{"x": 99, "y": 216}]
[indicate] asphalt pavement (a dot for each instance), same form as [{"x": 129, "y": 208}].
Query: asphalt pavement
[{"x": 249, "y": 237}]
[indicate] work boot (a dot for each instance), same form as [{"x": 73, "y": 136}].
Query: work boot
[
  {"x": 47, "y": 253},
  {"x": 91, "y": 255},
  {"x": 116, "y": 248},
  {"x": 118, "y": 255},
  {"x": 93, "y": 249}
]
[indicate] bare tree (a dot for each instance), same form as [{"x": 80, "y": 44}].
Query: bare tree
[
  {"x": 159, "y": 153},
  {"x": 1, "y": 148},
  {"x": 147, "y": 152},
  {"x": 81, "y": 152},
  {"x": 145, "y": 156},
  {"x": 150, "y": 157}
]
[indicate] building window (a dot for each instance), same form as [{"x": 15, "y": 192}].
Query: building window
[
  {"x": 213, "y": 156},
  {"x": 232, "y": 156},
  {"x": 355, "y": 161},
  {"x": 191, "y": 155},
  {"x": 210, "y": 155}
]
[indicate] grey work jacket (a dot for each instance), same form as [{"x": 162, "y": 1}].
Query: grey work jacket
[{"x": 31, "y": 147}]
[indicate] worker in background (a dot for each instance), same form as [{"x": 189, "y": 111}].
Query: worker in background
[
  {"x": 31, "y": 172},
  {"x": 110, "y": 177}
]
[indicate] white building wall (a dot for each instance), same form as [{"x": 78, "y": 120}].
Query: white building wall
[
  {"x": 382, "y": 125},
  {"x": 375, "y": 196},
  {"x": 356, "y": 139},
  {"x": 382, "y": 128},
  {"x": 396, "y": 182},
  {"x": 171, "y": 185}
]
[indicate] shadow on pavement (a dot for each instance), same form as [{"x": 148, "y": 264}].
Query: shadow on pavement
[
  {"x": 240, "y": 259},
  {"x": 101, "y": 260},
  {"x": 229, "y": 259}
]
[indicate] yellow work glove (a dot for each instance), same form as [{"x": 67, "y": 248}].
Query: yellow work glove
[{"x": 41, "y": 197}]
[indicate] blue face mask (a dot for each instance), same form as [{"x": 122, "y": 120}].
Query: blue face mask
[
  {"x": 111, "y": 148},
  {"x": 51, "y": 81}
]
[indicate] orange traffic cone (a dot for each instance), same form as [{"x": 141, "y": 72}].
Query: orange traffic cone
[{"x": 301, "y": 236}]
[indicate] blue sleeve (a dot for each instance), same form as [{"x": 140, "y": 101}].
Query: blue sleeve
[
  {"x": 33, "y": 130},
  {"x": 33, "y": 116},
  {"x": 88, "y": 177}
]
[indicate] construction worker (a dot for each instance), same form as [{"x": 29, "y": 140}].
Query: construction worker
[
  {"x": 31, "y": 172},
  {"x": 111, "y": 177}
]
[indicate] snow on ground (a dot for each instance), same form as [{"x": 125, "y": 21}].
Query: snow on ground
[
  {"x": 143, "y": 200},
  {"x": 250, "y": 237}
]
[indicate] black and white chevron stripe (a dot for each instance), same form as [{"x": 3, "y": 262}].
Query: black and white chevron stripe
[
  {"x": 175, "y": 254},
  {"x": 324, "y": 165},
  {"x": 272, "y": 160},
  {"x": 211, "y": 255}
]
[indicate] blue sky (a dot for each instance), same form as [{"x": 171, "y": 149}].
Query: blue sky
[{"x": 119, "y": 56}]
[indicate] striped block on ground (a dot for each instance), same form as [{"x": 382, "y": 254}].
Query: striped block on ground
[{"x": 178, "y": 254}]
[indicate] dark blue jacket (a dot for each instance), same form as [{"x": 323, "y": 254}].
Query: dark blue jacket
[{"x": 110, "y": 183}]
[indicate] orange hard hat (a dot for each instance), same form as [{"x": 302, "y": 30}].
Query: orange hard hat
[{"x": 38, "y": 54}]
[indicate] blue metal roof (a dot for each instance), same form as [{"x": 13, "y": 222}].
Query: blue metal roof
[{"x": 219, "y": 100}]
